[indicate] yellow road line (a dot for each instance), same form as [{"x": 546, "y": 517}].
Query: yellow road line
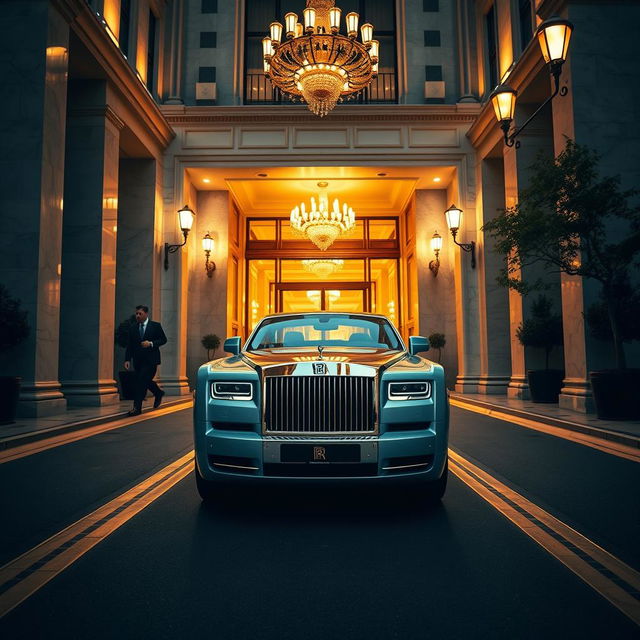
[
  {"x": 586, "y": 559},
  {"x": 55, "y": 441},
  {"x": 606, "y": 446},
  {"x": 23, "y": 576}
]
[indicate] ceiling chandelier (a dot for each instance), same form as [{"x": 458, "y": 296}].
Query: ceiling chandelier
[
  {"x": 322, "y": 267},
  {"x": 319, "y": 224},
  {"x": 316, "y": 62}
]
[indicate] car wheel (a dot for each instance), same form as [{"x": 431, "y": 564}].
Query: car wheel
[
  {"x": 208, "y": 490},
  {"x": 434, "y": 491}
]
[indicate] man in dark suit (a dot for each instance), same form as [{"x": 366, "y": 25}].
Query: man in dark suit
[{"x": 145, "y": 339}]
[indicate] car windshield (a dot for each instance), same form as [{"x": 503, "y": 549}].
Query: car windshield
[{"x": 326, "y": 330}]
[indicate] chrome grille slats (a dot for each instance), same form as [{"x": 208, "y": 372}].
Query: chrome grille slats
[{"x": 319, "y": 404}]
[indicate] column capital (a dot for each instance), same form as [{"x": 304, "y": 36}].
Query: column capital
[{"x": 98, "y": 112}]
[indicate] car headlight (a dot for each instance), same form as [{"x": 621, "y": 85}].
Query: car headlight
[
  {"x": 232, "y": 390},
  {"x": 409, "y": 390}
]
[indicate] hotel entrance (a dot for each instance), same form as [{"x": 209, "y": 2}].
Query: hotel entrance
[{"x": 287, "y": 274}]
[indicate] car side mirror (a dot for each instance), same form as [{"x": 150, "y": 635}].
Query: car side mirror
[
  {"x": 417, "y": 344},
  {"x": 232, "y": 345}
]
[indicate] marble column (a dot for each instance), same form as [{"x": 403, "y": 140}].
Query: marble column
[
  {"x": 175, "y": 60},
  {"x": 34, "y": 58},
  {"x": 534, "y": 140},
  {"x": 600, "y": 111},
  {"x": 136, "y": 261},
  {"x": 495, "y": 346},
  {"x": 89, "y": 246}
]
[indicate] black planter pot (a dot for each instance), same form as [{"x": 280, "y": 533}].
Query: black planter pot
[
  {"x": 545, "y": 384},
  {"x": 9, "y": 392},
  {"x": 127, "y": 385},
  {"x": 616, "y": 393}
]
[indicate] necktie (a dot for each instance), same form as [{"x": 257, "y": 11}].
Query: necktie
[{"x": 141, "y": 330}]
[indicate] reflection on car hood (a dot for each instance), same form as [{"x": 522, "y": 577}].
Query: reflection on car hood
[{"x": 348, "y": 355}]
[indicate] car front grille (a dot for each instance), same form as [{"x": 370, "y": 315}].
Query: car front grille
[{"x": 327, "y": 404}]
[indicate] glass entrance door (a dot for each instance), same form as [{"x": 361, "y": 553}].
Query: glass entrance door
[{"x": 302, "y": 297}]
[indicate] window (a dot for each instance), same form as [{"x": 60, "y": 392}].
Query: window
[
  {"x": 208, "y": 39},
  {"x": 492, "y": 48},
  {"x": 209, "y": 6},
  {"x": 207, "y": 74},
  {"x": 433, "y": 73},
  {"x": 431, "y": 38},
  {"x": 151, "y": 51},
  {"x": 526, "y": 23},
  {"x": 125, "y": 22},
  {"x": 430, "y": 5}
]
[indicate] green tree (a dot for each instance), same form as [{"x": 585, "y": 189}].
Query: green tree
[
  {"x": 543, "y": 330},
  {"x": 210, "y": 342},
  {"x": 572, "y": 220},
  {"x": 14, "y": 327}
]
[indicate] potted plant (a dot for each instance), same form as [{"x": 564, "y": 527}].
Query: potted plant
[
  {"x": 543, "y": 330},
  {"x": 210, "y": 342},
  {"x": 437, "y": 341},
  {"x": 13, "y": 330},
  {"x": 572, "y": 220},
  {"x": 127, "y": 379}
]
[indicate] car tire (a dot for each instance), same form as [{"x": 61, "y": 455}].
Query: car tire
[
  {"x": 434, "y": 491},
  {"x": 209, "y": 491}
]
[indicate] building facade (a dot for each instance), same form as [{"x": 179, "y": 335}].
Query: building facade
[{"x": 117, "y": 113}]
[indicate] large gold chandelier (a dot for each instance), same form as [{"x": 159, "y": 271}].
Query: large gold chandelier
[
  {"x": 323, "y": 267},
  {"x": 320, "y": 224},
  {"x": 316, "y": 62}
]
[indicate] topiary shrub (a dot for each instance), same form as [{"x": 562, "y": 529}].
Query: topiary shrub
[
  {"x": 14, "y": 327},
  {"x": 437, "y": 341},
  {"x": 543, "y": 330},
  {"x": 210, "y": 342}
]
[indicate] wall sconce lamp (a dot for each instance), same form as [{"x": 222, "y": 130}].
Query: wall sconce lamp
[
  {"x": 185, "y": 216},
  {"x": 454, "y": 218},
  {"x": 553, "y": 36},
  {"x": 436, "y": 245},
  {"x": 207, "y": 245}
]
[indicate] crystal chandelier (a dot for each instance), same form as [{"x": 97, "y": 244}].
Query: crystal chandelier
[
  {"x": 319, "y": 224},
  {"x": 322, "y": 267},
  {"x": 315, "y": 62}
]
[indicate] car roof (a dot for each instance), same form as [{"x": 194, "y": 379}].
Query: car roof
[{"x": 326, "y": 313}]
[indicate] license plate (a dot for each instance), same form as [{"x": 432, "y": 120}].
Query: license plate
[{"x": 320, "y": 453}]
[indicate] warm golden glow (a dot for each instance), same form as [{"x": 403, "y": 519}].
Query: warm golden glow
[
  {"x": 334, "y": 19},
  {"x": 207, "y": 242},
  {"x": 309, "y": 19},
  {"x": 276, "y": 32},
  {"x": 503, "y": 100},
  {"x": 320, "y": 224},
  {"x": 322, "y": 267},
  {"x": 374, "y": 52},
  {"x": 554, "y": 36},
  {"x": 366, "y": 31},
  {"x": 267, "y": 51},
  {"x": 186, "y": 217},
  {"x": 436, "y": 243},
  {"x": 352, "y": 24},
  {"x": 454, "y": 217},
  {"x": 290, "y": 20},
  {"x": 111, "y": 13}
]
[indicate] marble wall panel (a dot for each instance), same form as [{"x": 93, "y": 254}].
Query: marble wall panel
[
  {"x": 212, "y": 139},
  {"x": 378, "y": 137}
]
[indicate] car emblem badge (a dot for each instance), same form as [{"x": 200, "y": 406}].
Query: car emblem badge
[
  {"x": 319, "y": 453},
  {"x": 320, "y": 350},
  {"x": 319, "y": 368}
]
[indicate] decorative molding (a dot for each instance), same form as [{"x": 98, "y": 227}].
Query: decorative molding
[{"x": 103, "y": 112}]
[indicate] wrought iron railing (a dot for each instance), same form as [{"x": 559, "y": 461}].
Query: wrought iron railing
[{"x": 259, "y": 90}]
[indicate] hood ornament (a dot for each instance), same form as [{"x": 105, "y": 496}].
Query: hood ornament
[{"x": 320, "y": 350}]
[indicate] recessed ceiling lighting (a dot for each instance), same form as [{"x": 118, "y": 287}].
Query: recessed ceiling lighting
[
  {"x": 436, "y": 179},
  {"x": 382, "y": 175},
  {"x": 206, "y": 180},
  {"x": 262, "y": 175}
]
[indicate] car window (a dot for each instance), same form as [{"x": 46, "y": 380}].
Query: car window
[{"x": 313, "y": 330}]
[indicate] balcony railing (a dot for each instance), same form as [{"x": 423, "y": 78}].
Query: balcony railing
[{"x": 259, "y": 90}]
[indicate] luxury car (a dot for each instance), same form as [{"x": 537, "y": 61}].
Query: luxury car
[{"x": 320, "y": 397}]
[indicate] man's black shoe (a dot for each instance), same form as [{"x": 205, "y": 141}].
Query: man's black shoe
[
  {"x": 134, "y": 412},
  {"x": 158, "y": 400}
]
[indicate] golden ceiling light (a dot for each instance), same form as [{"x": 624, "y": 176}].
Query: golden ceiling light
[
  {"x": 320, "y": 224},
  {"x": 322, "y": 267},
  {"x": 316, "y": 63}
]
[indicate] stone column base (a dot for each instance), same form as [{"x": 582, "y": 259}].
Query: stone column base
[
  {"x": 38, "y": 399},
  {"x": 175, "y": 386},
  {"x": 576, "y": 395},
  {"x": 518, "y": 388},
  {"x": 90, "y": 393},
  {"x": 493, "y": 385},
  {"x": 466, "y": 384}
]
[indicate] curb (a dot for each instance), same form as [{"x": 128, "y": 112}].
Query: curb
[
  {"x": 620, "y": 437},
  {"x": 43, "y": 434}
]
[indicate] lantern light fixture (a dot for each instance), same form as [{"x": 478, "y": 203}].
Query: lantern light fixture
[
  {"x": 185, "y": 219},
  {"x": 436, "y": 246},
  {"x": 207, "y": 245},
  {"x": 454, "y": 220},
  {"x": 553, "y": 36}
]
